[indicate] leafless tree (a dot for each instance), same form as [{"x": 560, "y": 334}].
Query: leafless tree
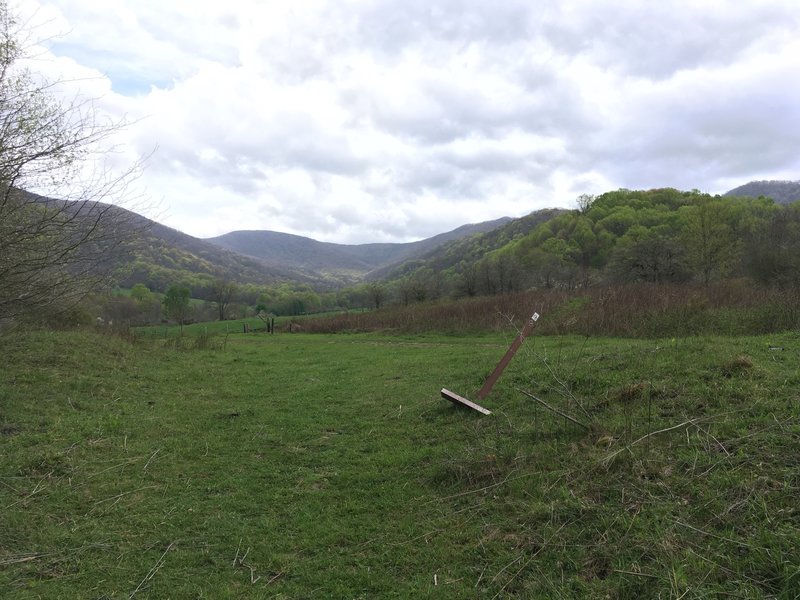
[{"x": 61, "y": 226}]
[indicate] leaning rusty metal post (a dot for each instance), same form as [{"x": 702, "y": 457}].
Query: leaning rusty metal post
[{"x": 498, "y": 370}]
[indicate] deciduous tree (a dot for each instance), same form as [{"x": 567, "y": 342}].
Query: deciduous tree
[
  {"x": 176, "y": 303},
  {"x": 711, "y": 246},
  {"x": 377, "y": 294}
]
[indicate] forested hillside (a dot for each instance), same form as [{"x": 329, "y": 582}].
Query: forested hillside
[
  {"x": 659, "y": 236},
  {"x": 620, "y": 237},
  {"x": 664, "y": 235},
  {"x": 341, "y": 263},
  {"x": 454, "y": 268},
  {"x": 162, "y": 256}
]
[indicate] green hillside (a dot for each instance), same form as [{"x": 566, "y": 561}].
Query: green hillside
[
  {"x": 345, "y": 263},
  {"x": 162, "y": 256},
  {"x": 624, "y": 236}
]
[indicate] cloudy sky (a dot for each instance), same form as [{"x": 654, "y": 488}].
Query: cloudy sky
[{"x": 393, "y": 120}]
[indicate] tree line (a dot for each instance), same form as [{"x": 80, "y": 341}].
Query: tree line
[
  {"x": 627, "y": 236},
  {"x": 660, "y": 236}
]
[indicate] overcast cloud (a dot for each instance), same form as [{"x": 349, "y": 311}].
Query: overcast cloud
[{"x": 364, "y": 121}]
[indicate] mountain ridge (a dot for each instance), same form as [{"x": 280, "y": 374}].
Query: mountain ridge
[
  {"x": 162, "y": 255},
  {"x": 348, "y": 261}
]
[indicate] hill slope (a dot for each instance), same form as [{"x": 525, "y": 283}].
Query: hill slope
[
  {"x": 140, "y": 250},
  {"x": 163, "y": 255},
  {"x": 337, "y": 261},
  {"x": 160, "y": 256},
  {"x": 467, "y": 250},
  {"x": 783, "y": 192}
]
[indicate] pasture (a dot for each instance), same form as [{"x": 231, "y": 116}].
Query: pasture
[{"x": 328, "y": 466}]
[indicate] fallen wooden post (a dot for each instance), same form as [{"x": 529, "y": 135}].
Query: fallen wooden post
[
  {"x": 498, "y": 370},
  {"x": 456, "y": 399},
  {"x": 501, "y": 366}
]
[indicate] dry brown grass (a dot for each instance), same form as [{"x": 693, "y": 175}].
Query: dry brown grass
[{"x": 640, "y": 310}]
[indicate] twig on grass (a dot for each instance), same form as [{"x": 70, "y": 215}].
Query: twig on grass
[
  {"x": 722, "y": 568},
  {"x": 21, "y": 559},
  {"x": 527, "y": 562},
  {"x": 722, "y": 537},
  {"x": 9, "y": 486},
  {"x": 552, "y": 409},
  {"x": 564, "y": 388},
  {"x": 147, "y": 487},
  {"x": 117, "y": 466},
  {"x": 636, "y": 573},
  {"x": 500, "y": 572},
  {"x": 477, "y": 583},
  {"x": 660, "y": 431},
  {"x": 152, "y": 456},
  {"x": 483, "y": 489},
  {"x": 240, "y": 561},
  {"x": 237, "y": 553},
  {"x": 152, "y": 572},
  {"x": 36, "y": 489},
  {"x": 37, "y": 555}
]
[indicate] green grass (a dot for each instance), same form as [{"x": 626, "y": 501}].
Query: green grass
[
  {"x": 296, "y": 466},
  {"x": 216, "y": 328},
  {"x": 206, "y": 328}
]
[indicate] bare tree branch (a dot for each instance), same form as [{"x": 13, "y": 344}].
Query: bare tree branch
[{"x": 62, "y": 231}]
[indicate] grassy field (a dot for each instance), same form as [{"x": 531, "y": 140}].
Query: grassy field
[
  {"x": 210, "y": 328},
  {"x": 299, "y": 466}
]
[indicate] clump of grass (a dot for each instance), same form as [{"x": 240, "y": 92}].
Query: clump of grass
[
  {"x": 737, "y": 366},
  {"x": 631, "y": 392},
  {"x": 209, "y": 341}
]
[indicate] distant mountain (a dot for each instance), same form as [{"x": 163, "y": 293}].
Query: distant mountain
[
  {"x": 162, "y": 256},
  {"x": 159, "y": 256},
  {"x": 339, "y": 262},
  {"x": 783, "y": 192},
  {"x": 298, "y": 253},
  {"x": 469, "y": 249}
]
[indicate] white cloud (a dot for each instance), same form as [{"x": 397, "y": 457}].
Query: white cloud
[{"x": 377, "y": 120}]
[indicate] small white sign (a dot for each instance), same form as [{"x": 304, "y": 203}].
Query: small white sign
[{"x": 535, "y": 317}]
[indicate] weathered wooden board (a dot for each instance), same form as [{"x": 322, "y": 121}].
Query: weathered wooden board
[
  {"x": 498, "y": 370},
  {"x": 456, "y": 399}
]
